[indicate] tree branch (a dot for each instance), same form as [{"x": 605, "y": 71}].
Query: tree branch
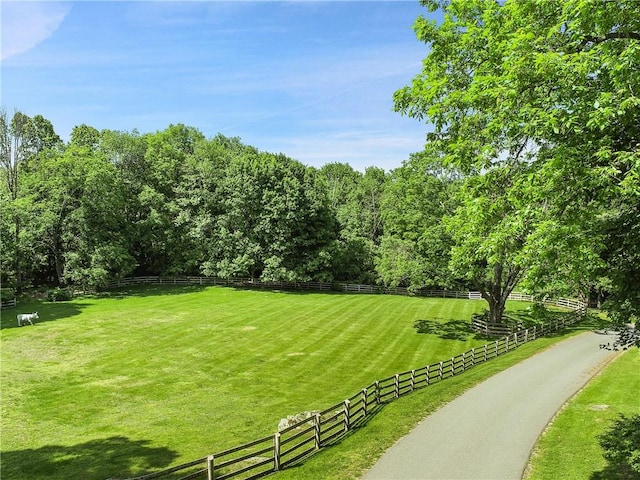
[{"x": 610, "y": 36}]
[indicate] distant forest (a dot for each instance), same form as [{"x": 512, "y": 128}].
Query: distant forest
[{"x": 108, "y": 204}]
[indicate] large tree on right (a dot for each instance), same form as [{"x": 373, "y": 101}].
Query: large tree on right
[{"x": 548, "y": 94}]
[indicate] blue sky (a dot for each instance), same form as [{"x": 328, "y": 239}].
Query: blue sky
[{"x": 311, "y": 79}]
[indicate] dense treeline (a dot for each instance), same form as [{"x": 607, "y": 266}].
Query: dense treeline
[{"x": 109, "y": 204}]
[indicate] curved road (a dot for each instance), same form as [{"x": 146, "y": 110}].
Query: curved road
[{"x": 489, "y": 431}]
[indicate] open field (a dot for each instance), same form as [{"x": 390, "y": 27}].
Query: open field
[
  {"x": 569, "y": 449},
  {"x": 152, "y": 377}
]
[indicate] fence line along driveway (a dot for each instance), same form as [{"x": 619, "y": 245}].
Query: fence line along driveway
[{"x": 488, "y": 432}]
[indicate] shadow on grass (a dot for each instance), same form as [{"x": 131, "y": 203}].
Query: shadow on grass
[
  {"x": 446, "y": 329},
  {"x": 461, "y": 330},
  {"x": 115, "y": 457},
  {"x": 595, "y": 321},
  {"x": 526, "y": 319},
  {"x": 615, "y": 472},
  {"x": 150, "y": 290},
  {"x": 47, "y": 312}
]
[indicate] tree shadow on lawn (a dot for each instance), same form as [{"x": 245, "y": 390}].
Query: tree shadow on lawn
[
  {"x": 154, "y": 290},
  {"x": 591, "y": 321},
  {"x": 615, "y": 472},
  {"x": 446, "y": 330},
  {"x": 47, "y": 312},
  {"x": 461, "y": 330},
  {"x": 115, "y": 457}
]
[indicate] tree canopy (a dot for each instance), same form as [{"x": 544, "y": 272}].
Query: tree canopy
[
  {"x": 109, "y": 204},
  {"x": 547, "y": 91}
]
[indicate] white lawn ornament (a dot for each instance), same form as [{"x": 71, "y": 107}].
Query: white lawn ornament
[{"x": 23, "y": 318}]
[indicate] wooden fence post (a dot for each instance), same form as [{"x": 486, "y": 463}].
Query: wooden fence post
[
  {"x": 377, "y": 393},
  {"x": 210, "y": 467},
  {"x": 276, "y": 451},
  {"x": 485, "y": 351},
  {"x": 440, "y": 371},
  {"x": 365, "y": 395},
  {"x": 316, "y": 430},
  {"x": 347, "y": 419},
  {"x": 413, "y": 380},
  {"x": 496, "y": 348},
  {"x": 396, "y": 385}
]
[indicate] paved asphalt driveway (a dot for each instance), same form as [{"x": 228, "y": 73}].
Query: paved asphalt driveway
[{"x": 489, "y": 431}]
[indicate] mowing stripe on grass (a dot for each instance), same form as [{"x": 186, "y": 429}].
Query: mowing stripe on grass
[{"x": 175, "y": 372}]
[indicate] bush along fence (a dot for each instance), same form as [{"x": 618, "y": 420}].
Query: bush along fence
[{"x": 302, "y": 435}]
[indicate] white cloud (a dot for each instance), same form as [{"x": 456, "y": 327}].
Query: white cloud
[
  {"x": 360, "y": 149},
  {"x": 26, "y": 24}
]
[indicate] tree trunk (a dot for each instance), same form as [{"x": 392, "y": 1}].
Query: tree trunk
[
  {"x": 496, "y": 310},
  {"x": 496, "y": 291},
  {"x": 59, "y": 263},
  {"x": 17, "y": 257}
]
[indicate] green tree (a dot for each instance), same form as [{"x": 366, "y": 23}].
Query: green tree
[
  {"x": 163, "y": 243},
  {"x": 551, "y": 85},
  {"x": 126, "y": 151},
  {"x": 275, "y": 221},
  {"x": 357, "y": 213},
  {"x": 74, "y": 201},
  {"x": 22, "y": 140},
  {"x": 341, "y": 182},
  {"x": 490, "y": 231},
  {"x": 85, "y": 136},
  {"x": 415, "y": 247},
  {"x": 200, "y": 196},
  {"x": 366, "y": 218}
]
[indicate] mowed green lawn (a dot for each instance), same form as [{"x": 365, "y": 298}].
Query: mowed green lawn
[
  {"x": 121, "y": 385},
  {"x": 569, "y": 449}
]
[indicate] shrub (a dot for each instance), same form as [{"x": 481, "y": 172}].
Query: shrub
[
  {"x": 7, "y": 293},
  {"x": 539, "y": 312},
  {"x": 621, "y": 445},
  {"x": 59, "y": 295}
]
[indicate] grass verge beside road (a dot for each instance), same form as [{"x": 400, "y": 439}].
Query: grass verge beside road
[
  {"x": 569, "y": 448},
  {"x": 356, "y": 454}
]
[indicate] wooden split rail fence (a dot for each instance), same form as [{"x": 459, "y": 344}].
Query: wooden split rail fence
[
  {"x": 320, "y": 429},
  {"x": 309, "y": 286},
  {"x": 10, "y": 303}
]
